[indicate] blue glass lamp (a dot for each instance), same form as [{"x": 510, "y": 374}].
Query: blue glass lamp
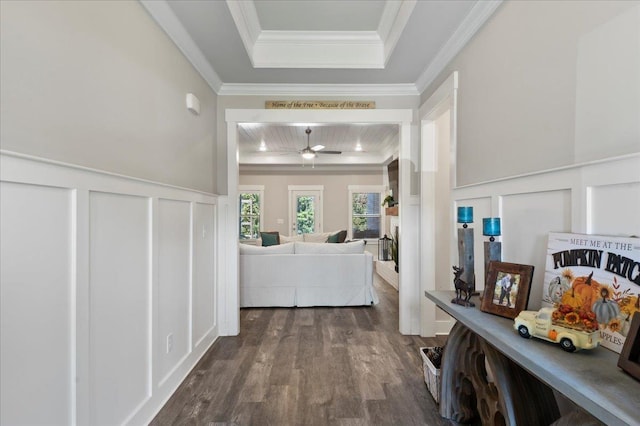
[
  {"x": 465, "y": 246},
  {"x": 492, "y": 248}
]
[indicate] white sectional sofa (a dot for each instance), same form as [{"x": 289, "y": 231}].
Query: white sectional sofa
[{"x": 306, "y": 274}]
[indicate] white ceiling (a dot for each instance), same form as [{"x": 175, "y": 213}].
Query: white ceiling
[
  {"x": 283, "y": 142},
  {"x": 319, "y": 48}
]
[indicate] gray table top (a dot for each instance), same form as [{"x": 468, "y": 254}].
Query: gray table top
[{"x": 590, "y": 378}]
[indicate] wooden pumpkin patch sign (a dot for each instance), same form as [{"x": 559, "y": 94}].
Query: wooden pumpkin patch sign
[{"x": 593, "y": 282}]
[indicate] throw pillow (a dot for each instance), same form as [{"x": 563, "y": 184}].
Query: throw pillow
[
  {"x": 338, "y": 237},
  {"x": 333, "y": 238},
  {"x": 270, "y": 238},
  {"x": 285, "y": 239},
  {"x": 317, "y": 237}
]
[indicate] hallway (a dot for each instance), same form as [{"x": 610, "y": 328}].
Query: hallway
[{"x": 310, "y": 366}]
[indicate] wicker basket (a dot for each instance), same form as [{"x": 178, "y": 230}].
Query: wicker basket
[{"x": 431, "y": 375}]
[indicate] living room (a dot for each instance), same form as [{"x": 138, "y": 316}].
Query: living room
[{"x": 116, "y": 197}]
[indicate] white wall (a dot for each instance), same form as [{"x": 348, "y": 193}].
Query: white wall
[
  {"x": 547, "y": 84},
  {"x": 99, "y": 84},
  {"x": 97, "y": 270},
  {"x": 336, "y": 195}
]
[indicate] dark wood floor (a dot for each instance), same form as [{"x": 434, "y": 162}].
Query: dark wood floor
[{"x": 310, "y": 366}]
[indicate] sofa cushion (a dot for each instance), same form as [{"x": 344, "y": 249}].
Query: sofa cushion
[
  {"x": 356, "y": 247},
  {"x": 270, "y": 238},
  {"x": 285, "y": 239},
  {"x": 318, "y": 237},
  {"x": 287, "y": 248},
  {"x": 338, "y": 237}
]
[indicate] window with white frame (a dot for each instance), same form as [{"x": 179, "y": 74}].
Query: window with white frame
[
  {"x": 365, "y": 211},
  {"x": 250, "y": 205}
]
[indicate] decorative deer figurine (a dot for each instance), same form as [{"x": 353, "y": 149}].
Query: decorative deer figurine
[{"x": 461, "y": 287}]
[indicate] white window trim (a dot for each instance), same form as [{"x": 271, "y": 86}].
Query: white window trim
[
  {"x": 253, "y": 189},
  {"x": 365, "y": 188}
]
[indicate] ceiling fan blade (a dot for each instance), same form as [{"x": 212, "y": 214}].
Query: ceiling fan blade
[
  {"x": 329, "y": 152},
  {"x": 317, "y": 147}
]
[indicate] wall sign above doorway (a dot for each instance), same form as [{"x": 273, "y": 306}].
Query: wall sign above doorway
[{"x": 320, "y": 104}]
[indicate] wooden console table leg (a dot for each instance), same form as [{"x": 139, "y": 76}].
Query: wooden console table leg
[{"x": 513, "y": 397}]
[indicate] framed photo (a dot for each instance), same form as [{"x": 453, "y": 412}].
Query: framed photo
[
  {"x": 629, "y": 359},
  {"x": 506, "y": 291}
]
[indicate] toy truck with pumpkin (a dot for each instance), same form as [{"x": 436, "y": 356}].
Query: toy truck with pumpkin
[{"x": 541, "y": 324}]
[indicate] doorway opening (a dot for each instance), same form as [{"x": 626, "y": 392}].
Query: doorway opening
[{"x": 229, "y": 296}]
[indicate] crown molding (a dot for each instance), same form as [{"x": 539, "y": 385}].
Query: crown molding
[
  {"x": 320, "y": 49},
  {"x": 476, "y": 18},
  {"x": 245, "y": 16},
  {"x": 239, "y": 89},
  {"x": 394, "y": 18},
  {"x": 167, "y": 20}
]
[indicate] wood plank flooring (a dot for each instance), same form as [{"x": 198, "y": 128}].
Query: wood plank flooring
[{"x": 310, "y": 366}]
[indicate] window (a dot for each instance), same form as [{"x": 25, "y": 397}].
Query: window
[
  {"x": 305, "y": 202},
  {"x": 366, "y": 212},
  {"x": 250, "y": 204}
]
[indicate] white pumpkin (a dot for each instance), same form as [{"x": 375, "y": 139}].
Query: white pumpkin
[{"x": 557, "y": 287}]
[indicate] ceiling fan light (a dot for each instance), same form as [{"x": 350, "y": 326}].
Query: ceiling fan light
[{"x": 308, "y": 155}]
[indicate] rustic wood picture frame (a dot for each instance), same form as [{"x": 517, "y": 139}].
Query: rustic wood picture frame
[
  {"x": 629, "y": 359},
  {"x": 505, "y": 303}
]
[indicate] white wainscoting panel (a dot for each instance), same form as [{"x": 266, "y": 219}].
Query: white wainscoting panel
[
  {"x": 96, "y": 270},
  {"x": 527, "y": 220},
  {"x": 204, "y": 293},
  {"x": 174, "y": 283},
  {"x": 615, "y": 209},
  {"x": 37, "y": 305},
  {"x": 120, "y": 307}
]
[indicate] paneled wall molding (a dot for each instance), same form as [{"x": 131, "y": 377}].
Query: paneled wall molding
[
  {"x": 25, "y": 168},
  {"x": 599, "y": 197},
  {"x": 118, "y": 279},
  {"x": 588, "y": 167}
]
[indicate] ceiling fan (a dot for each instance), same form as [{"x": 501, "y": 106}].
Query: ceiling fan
[{"x": 309, "y": 153}]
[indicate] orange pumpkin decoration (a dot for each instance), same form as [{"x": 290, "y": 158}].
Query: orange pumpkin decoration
[
  {"x": 588, "y": 289},
  {"x": 553, "y": 334}
]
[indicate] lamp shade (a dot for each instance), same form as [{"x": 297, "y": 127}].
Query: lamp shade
[
  {"x": 465, "y": 214},
  {"x": 491, "y": 226}
]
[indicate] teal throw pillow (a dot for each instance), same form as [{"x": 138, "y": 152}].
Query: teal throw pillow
[
  {"x": 270, "y": 238},
  {"x": 338, "y": 237}
]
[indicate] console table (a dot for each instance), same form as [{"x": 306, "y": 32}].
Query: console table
[{"x": 590, "y": 378}]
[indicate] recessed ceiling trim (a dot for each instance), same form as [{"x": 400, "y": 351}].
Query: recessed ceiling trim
[
  {"x": 240, "y": 89},
  {"x": 294, "y": 158},
  {"x": 245, "y": 16},
  {"x": 308, "y": 168},
  {"x": 320, "y": 49},
  {"x": 476, "y": 18},
  {"x": 394, "y": 18},
  {"x": 167, "y": 20}
]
